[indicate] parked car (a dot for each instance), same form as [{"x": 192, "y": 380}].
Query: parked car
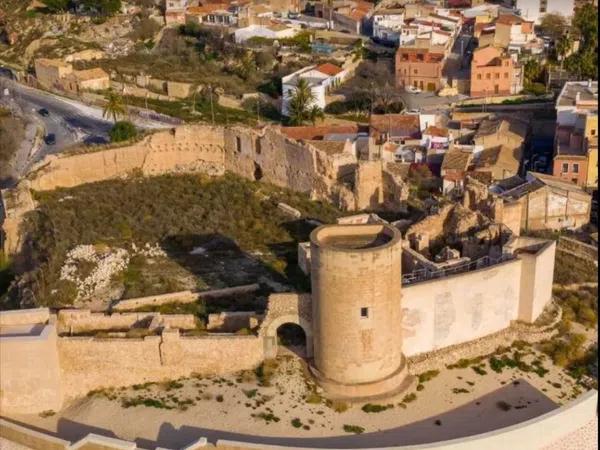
[
  {"x": 293, "y": 15},
  {"x": 50, "y": 139},
  {"x": 43, "y": 112},
  {"x": 412, "y": 89}
]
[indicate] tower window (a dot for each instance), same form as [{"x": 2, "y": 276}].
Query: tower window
[{"x": 364, "y": 313}]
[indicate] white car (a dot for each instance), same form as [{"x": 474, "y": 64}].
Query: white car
[{"x": 412, "y": 90}]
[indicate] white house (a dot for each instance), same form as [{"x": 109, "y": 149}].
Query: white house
[
  {"x": 320, "y": 79},
  {"x": 435, "y": 138},
  {"x": 536, "y": 9},
  {"x": 387, "y": 24},
  {"x": 273, "y": 31}
]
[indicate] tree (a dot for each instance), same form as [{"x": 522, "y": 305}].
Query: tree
[
  {"x": 122, "y": 131},
  {"x": 246, "y": 66},
  {"x": 114, "y": 106},
  {"x": 300, "y": 102},
  {"x": 315, "y": 113},
  {"x": 533, "y": 71},
  {"x": 56, "y": 6},
  {"x": 553, "y": 25},
  {"x": 563, "y": 46},
  {"x": 584, "y": 63}
]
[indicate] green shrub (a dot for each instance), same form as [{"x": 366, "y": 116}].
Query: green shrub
[
  {"x": 426, "y": 376},
  {"x": 122, "y": 131},
  {"x": 296, "y": 423},
  {"x": 353, "y": 429},
  {"x": 409, "y": 398},
  {"x": 374, "y": 408}
]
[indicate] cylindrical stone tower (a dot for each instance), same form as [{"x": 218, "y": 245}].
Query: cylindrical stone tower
[{"x": 356, "y": 290}]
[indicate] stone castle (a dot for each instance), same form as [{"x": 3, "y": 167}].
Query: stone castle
[{"x": 379, "y": 310}]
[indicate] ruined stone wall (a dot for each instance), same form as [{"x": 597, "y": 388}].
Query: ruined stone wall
[
  {"x": 89, "y": 363},
  {"x": 368, "y": 185},
  {"x": 75, "y": 321},
  {"x": 459, "y": 308},
  {"x": 175, "y": 151},
  {"x": 269, "y": 156}
]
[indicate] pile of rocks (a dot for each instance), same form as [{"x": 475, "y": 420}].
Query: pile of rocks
[{"x": 106, "y": 264}]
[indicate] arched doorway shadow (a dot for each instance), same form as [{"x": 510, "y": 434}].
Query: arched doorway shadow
[
  {"x": 291, "y": 338},
  {"x": 273, "y": 334}
]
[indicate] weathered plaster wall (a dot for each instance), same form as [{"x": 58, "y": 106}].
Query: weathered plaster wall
[{"x": 459, "y": 308}]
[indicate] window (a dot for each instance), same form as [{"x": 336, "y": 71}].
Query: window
[
  {"x": 505, "y": 74},
  {"x": 364, "y": 313},
  {"x": 565, "y": 168},
  {"x": 496, "y": 75},
  {"x": 257, "y": 147},
  {"x": 416, "y": 71},
  {"x": 488, "y": 76},
  {"x": 593, "y": 132},
  {"x": 238, "y": 144},
  {"x": 479, "y": 76},
  {"x": 575, "y": 168}
]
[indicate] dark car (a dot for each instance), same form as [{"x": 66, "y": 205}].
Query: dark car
[
  {"x": 50, "y": 139},
  {"x": 43, "y": 112}
]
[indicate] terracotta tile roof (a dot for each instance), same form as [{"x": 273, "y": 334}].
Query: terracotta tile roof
[
  {"x": 509, "y": 19},
  {"x": 329, "y": 69},
  {"x": 499, "y": 157},
  {"x": 319, "y": 132},
  {"x": 436, "y": 131},
  {"x": 456, "y": 159},
  {"x": 206, "y": 9},
  {"x": 398, "y": 125}
]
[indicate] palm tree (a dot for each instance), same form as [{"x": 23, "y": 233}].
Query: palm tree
[
  {"x": 114, "y": 106},
  {"x": 315, "y": 113},
  {"x": 300, "y": 102}
]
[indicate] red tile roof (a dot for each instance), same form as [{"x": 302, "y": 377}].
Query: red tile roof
[{"x": 329, "y": 69}]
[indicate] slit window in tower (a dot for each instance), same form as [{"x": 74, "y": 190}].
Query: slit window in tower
[{"x": 364, "y": 313}]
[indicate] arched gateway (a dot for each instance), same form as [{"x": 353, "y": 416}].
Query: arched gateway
[{"x": 288, "y": 308}]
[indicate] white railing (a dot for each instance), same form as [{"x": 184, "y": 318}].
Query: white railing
[{"x": 428, "y": 274}]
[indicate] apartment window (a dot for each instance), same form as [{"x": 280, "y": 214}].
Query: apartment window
[
  {"x": 479, "y": 76},
  {"x": 416, "y": 71},
  {"x": 496, "y": 75},
  {"x": 488, "y": 76},
  {"x": 419, "y": 57},
  {"x": 565, "y": 168},
  {"x": 505, "y": 74},
  {"x": 575, "y": 168},
  {"x": 364, "y": 313}
]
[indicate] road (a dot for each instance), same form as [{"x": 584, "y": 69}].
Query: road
[{"x": 71, "y": 122}]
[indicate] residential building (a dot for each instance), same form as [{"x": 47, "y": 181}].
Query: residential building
[
  {"x": 494, "y": 72},
  {"x": 435, "y": 138},
  {"x": 402, "y": 129},
  {"x": 49, "y": 72},
  {"x": 419, "y": 67},
  {"x": 59, "y": 75},
  {"x": 349, "y": 15},
  {"x": 320, "y": 79},
  {"x": 270, "y": 31},
  {"x": 175, "y": 11},
  {"x": 94, "y": 79},
  {"x": 535, "y": 10},
  {"x": 513, "y": 32},
  {"x": 545, "y": 202},
  {"x": 576, "y": 136},
  {"x": 198, "y": 14},
  {"x": 387, "y": 25}
]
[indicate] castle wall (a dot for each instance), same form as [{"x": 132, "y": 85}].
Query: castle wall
[
  {"x": 458, "y": 308},
  {"x": 29, "y": 366},
  {"x": 272, "y": 158},
  {"x": 175, "y": 151},
  {"x": 90, "y": 363}
]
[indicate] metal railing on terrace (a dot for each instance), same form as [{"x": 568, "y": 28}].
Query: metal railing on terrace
[{"x": 429, "y": 274}]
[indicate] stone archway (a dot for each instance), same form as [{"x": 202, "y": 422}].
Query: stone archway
[{"x": 285, "y": 309}]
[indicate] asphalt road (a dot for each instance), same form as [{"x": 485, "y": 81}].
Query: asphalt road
[{"x": 69, "y": 122}]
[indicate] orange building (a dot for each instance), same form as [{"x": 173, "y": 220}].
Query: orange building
[
  {"x": 493, "y": 73},
  {"x": 420, "y": 68}
]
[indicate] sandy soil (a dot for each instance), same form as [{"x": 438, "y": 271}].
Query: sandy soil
[{"x": 229, "y": 407}]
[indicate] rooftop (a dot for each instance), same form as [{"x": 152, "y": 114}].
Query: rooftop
[
  {"x": 576, "y": 93},
  {"x": 457, "y": 159},
  {"x": 329, "y": 147},
  {"x": 436, "y": 131},
  {"x": 52, "y": 62},
  {"x": 329, "y": 69},
  {"x": 490, "y": 127},
  {"x": 312, "y": 133},
  {"x": 397, "y": 125}
]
